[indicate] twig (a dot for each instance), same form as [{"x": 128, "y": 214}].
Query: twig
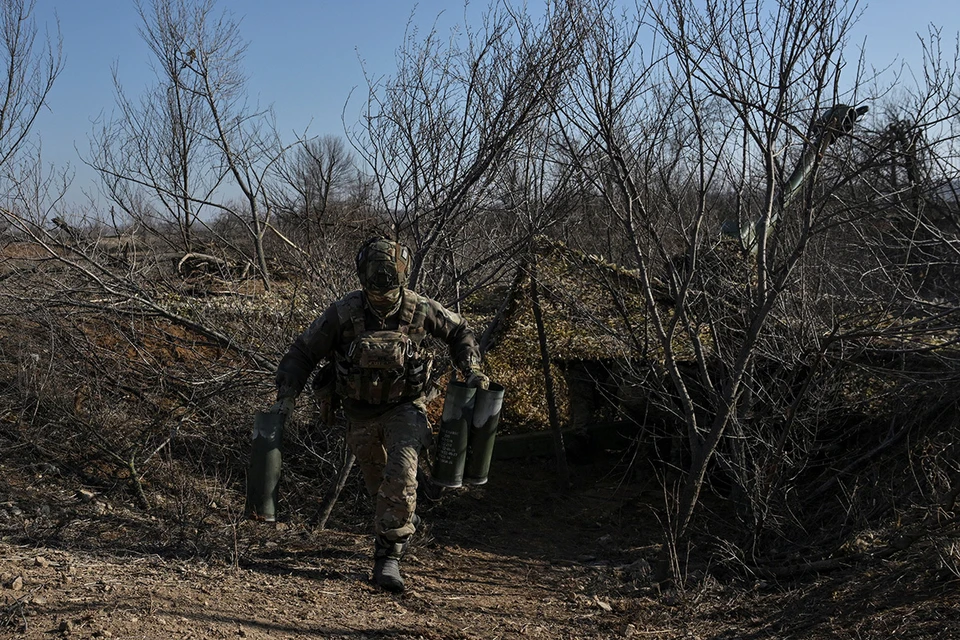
[
  {"x": 333, "y": 493},
  {"x": 886, "y": 444}
]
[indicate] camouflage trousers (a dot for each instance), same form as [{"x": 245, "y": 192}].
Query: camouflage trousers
[{"x": 387, "y": 449}]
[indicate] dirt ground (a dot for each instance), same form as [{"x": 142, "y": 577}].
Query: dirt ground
[{"x": 513, "y": 559}]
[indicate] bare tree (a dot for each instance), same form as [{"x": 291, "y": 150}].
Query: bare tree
[
  {"x": 721, "y": 103},
  {"x": 30, "y": 75},
  {"x": 311, "y": 178},
  {"x": 436, "y": 133},
  {"x": 31, "y": 69},
  {"x": 152, "y": 157},
  {"x": 194, "y": 142}
]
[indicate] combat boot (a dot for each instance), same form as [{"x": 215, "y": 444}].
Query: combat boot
[{"x": 386, "y": 566}]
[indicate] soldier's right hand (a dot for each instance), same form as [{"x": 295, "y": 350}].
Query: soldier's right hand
[{"x": 326, "y": 410}]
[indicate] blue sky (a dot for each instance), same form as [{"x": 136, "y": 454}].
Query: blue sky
[
  {"x": 304, "y": 59},
  {"x": 304, "y": 56}
]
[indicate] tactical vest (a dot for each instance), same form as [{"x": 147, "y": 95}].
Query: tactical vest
[{"x": 382, "y": 366}]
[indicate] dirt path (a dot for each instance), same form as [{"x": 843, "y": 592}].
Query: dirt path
[
  {"x": 307, "y": 593},
  {"x": 495, "y": 562},
  {"x": 515, "y": 559}
]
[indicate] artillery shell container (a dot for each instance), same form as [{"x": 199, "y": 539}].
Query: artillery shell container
[
  {"x": 263, "y": 476},
  {"x": 454, "y": 433},
  {"x": 483, "y": 431}
]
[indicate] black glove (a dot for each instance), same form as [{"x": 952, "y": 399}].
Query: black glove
[
  {"x": 284, "y": 406},
  {"x": 326, "y": 408}
]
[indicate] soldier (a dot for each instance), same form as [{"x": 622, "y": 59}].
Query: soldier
[{"x": 373, "y": 338}]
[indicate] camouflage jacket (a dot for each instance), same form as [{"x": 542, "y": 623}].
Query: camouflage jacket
[{"x": 331, "y": 336}]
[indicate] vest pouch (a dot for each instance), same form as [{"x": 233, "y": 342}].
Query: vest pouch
[
  {"x": 377, "y": 367},
  {"x": 380, "y": 350},
  {"x": 418, "y": 372},
  {"x": 387, "y": 386}
]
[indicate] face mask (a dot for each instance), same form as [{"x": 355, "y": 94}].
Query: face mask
[{"x": 383, "y": 302}]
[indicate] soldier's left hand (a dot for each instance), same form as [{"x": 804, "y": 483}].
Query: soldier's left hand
[
  {"x": 477, "y": 380},
  {"x": 284, "y": 406}
]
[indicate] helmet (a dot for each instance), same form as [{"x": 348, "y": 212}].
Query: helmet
[{"x": 383, "y": 264}]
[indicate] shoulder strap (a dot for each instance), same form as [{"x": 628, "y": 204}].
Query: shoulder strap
[
  {"x": 412, "y": 316},
  {"x": 420, "y": 314},
  {"x": 407, "y": 308},
  {"x": 350, "y": 310}
]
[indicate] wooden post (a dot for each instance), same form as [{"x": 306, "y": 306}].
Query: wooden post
[{"x": 563, "y": 472}]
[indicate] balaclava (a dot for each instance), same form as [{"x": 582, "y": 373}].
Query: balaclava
[{"x": 383, "y": 267}]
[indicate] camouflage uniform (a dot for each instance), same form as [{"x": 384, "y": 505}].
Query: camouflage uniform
[
  {"x": 387, "y": 449},
  {"x": 385, "y": 436},
  {"x": 373, "y": 338}
]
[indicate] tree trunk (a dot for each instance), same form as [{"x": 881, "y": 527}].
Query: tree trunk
[{"x": 258, "y": 230}]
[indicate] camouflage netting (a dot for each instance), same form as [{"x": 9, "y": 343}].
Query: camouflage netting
[{"x": 593, "y": 312}]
